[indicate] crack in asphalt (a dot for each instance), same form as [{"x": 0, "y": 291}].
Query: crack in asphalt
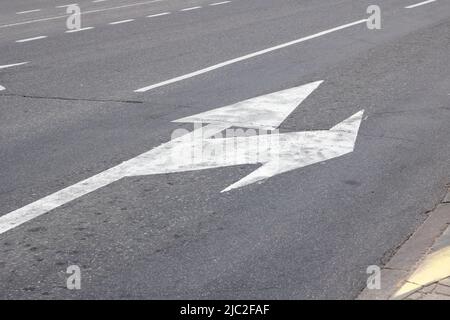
[
  {"x": 174, "y": 105},
  {"x": 69, "y": 99}
]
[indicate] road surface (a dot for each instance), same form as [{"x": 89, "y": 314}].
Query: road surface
[{"x": 86, "y": 101}]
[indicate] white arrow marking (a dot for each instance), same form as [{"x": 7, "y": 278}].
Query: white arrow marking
[
  {"x": 277, "y": 152},
  {"x": 9, "y": 66}
]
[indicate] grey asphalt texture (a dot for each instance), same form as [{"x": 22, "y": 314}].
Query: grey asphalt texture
[{"x": 306, "y": 234}]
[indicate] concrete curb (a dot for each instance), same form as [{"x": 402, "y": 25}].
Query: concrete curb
[{"x": 404, "y": 263}]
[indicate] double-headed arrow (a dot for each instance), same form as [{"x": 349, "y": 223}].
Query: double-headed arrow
[{"x": 199, "y": 149}]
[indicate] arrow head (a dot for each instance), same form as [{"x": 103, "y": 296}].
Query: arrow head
[
  {"x": 324, "y": 147},
  {"x": 265, "y": 112}
]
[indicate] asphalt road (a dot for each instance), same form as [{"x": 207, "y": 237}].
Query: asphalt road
[{"x": 72, "y": 112}]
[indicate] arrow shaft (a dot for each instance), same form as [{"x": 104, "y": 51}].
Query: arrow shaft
[
  {"x": 129, "y": 168},
  {"x": 55, "y": 200}
]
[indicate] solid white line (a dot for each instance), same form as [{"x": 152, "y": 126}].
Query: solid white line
[
  {"x": 95, "y": 1},
  {"x": 219, "y": 3},
  {"x": 83, "y": 12},
  {"x": 248, "y": 56},
  {"x": 2, "y": 88},
  {"x": 419, "y": 4},
  {"x": 191, "y": 8},
  {"x": 78, "y": 30},
  {"x": 28, "y": 11},
  {"x": 158, "y": 14},
  {"x": 122, "y": 21},
  {"x": 31, "y": 39},
  {"x": 13, "y": 65}
]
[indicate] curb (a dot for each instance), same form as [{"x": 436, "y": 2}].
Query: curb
[{"x": 411, "y": 260}]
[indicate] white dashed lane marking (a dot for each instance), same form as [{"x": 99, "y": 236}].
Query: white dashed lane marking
[
  {"x": 191, "y": 8},
  {"x": 12, "y": 65},
  {"x": 120, "y": 22},
  {"x": 158, "y": 14},
  {"x": 110, "y": 23},
  {"x": 83, "y": 13},
  {"x": 28, "y": 11},
  {"x": 78, "y": 30},
  {"x": 219, "y": 3},
  {"x": 419, "y": 4},
  {"x": 31, "y": 39}
]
